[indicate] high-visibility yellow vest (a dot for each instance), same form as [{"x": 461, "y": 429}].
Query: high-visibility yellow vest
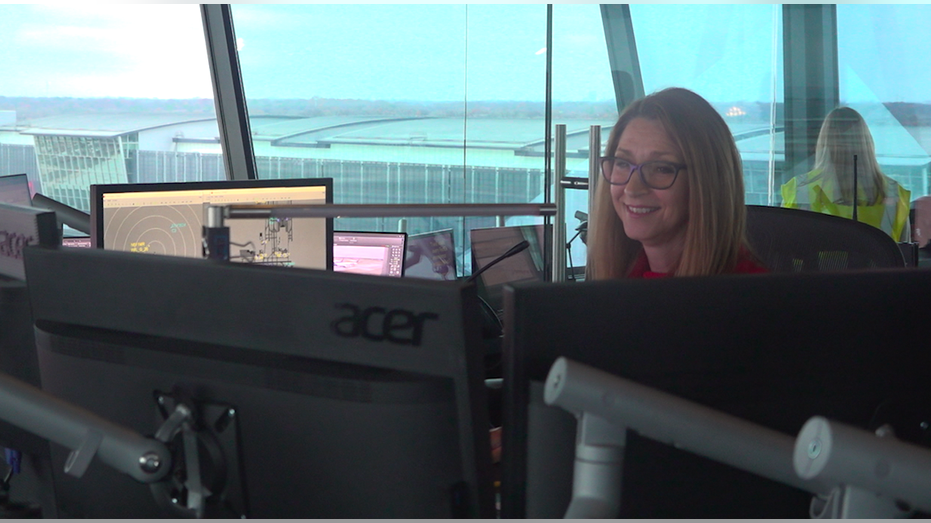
[{"x": 817, "y": 193}]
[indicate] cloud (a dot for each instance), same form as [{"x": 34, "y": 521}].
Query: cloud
[{"x": 107, "y": 50}]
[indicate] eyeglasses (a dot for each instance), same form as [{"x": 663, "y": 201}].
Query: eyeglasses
[{"x": 656, "y": 175}]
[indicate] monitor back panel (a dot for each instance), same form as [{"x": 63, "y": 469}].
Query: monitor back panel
[
  {"x": 774, "y": 349},
  {"x": 526, "y": 266},
  {"x": 14, "y": 188},
  {"x": 294, "y": 352},
  {"x": 431, "y": 255},
  {"x": 921, "y": 221}
]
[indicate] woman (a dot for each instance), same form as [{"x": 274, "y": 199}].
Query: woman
[
  {"x": 881, "y": 201},
  {"x": 671, "y": 199}
]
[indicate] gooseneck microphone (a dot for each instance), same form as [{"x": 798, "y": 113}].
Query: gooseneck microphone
[
  {"x": 491, "y": 324},
  {"x": 510, "y": 252}
]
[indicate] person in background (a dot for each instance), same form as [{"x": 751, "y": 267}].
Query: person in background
[
  {"x": 829, "y": 187},
  {"x": 671, "y": 200}
]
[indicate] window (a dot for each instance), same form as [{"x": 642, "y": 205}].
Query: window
[
  {"x": 884, "y": 75},
  {"x": 730, "y": 54},
  {"x": 110, "y": 93},
  {"x": 583, "y": 96},
  {"x": 451, "y": 112}
]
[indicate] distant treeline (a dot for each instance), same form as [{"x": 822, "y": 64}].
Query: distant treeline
[{"x": 29, "y": 108}]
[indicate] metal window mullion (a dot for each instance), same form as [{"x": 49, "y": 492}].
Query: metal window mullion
[
  {"x": 121, "y": 154},
  {"x": 548, "y": 174},
  {"x": 63, "y": 158},
  {"x": 362, "y": 195},
  {"x": 622, "y": 54},
  {"x": 229, "y": 95},
  {"x": 59, "y": 159},
  {"x": 72, "y": 164},
  {"x": 812, "y": 87},
  {"x": 558, "y": 268},
  {"x": 399, "y": 186},
  {"x": 101, "y": 148}
]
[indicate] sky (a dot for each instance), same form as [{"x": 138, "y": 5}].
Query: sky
[
  {"x": 151, "y": 51},
  {"x": 437, "y": 52}
]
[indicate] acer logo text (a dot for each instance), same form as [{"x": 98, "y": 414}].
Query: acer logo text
[
  {"x": 378, "y": 324},
  {"x": 12, "y": 243}
]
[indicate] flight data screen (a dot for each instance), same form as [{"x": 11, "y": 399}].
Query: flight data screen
[
  {"x": 170, "y": 222},
  {"x": 375, "y": 253}
]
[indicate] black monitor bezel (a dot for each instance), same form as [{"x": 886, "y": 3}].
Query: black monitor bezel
[{"x": 97, "y": 192}]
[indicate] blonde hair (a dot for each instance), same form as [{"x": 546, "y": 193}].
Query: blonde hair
[
  {"x": 843, "y": 134},
  {"x": 716, "y": 230}
]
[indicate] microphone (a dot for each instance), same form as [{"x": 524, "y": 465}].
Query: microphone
[
  {"x": 582, "y": 228},
  {"x": 510, "y": 252},
  {"x": 491, "y": 324}
]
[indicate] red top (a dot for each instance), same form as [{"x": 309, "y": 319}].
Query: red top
[{"x": 746, "y": 264}]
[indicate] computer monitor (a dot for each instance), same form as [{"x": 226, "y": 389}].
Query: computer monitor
[
  {"x": 21, "y": 226},
  {"x": 14, "y": 188},
  {"x": 431, "y": 255},
  {"x": 773, "y": 349},
  {"x": 167, "y": 218},
  {"x": 490, "y": 243},
  {"x": 352, "y": 396},
  {"x": 375, "y": 253}
]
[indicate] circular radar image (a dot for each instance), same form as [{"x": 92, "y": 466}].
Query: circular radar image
[{"x": 171, "y": 230}]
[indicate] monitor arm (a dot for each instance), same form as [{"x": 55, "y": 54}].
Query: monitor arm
[
  {"x": 873, "y": 475},
  {"x": 216, "y": 235},
  {"x": 185, "y": 494},
  {"x": 607, "y": 406},
  {"x": 147, "y": 460},
  {"x": 84, "y": 433}
]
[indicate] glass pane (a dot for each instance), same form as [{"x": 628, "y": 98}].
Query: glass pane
[
  {"x": 884, "y": 75},
  {"x": 399, "y": 104},
  {"x": 583, "y": 96},
  {"x": 105, "y": 94},
  {"x": 732, "y": 56}
]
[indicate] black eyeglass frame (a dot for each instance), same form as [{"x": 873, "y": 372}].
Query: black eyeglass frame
[{"x": 639, "y": 169}]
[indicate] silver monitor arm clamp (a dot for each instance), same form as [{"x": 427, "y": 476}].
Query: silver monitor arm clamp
[{"x": 873, "y": 475}]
